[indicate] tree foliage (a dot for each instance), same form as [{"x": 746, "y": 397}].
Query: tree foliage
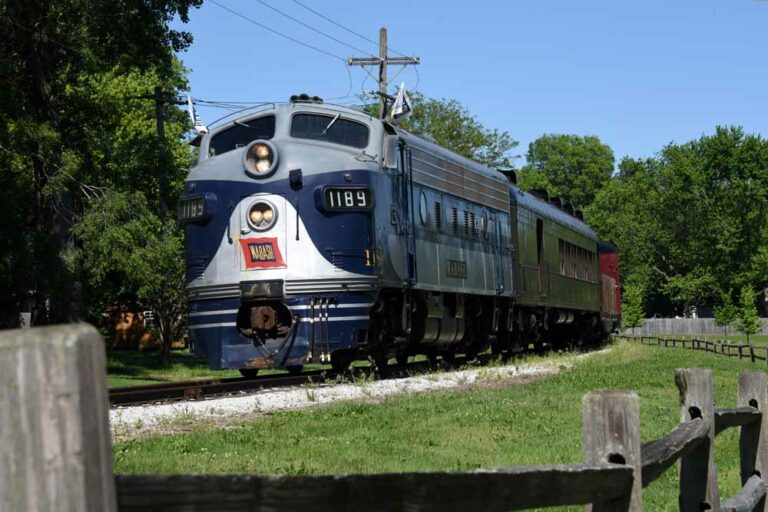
[
  {"x": 725, "y": 312},
  {"x": 690, "y": 221},
  {"x": 72, "y": 128},
  {"x": 747, "y": 322},
  {"x": 127, "y": 251},
  {"x": 632, "y": 311},
  {"x": 568, "y": 166}
]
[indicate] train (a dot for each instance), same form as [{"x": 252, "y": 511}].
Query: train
[{"x": 318, "y": 233}]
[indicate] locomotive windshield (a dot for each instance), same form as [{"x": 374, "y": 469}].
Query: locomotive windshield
[
  {"x": 241, "y": 134},
  {"x": 329, "y": 129}
]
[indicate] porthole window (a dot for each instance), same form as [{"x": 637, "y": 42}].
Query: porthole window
[{"x": 423, "y": 213}]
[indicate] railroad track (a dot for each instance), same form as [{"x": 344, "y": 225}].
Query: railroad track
[
  {"x": 206, "y": 388},
  {"x": 211, "y": 388}
]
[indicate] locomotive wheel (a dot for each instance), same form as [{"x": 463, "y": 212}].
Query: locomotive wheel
[
  {"x": 295, "y": 370},
  {"x": 249, "y": 373},
  {"x": 340, "y": 361},
  {"x": 381, "y": 360}
]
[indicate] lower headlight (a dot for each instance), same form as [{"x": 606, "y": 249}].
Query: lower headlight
[{"x": 262, "y": 215}]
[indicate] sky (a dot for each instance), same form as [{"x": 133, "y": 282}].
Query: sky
[{"x": 639, "y": 75}]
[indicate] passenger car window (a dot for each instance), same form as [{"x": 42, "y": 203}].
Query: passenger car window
[
  {"x": 329, "y": 129},
  {"x": 241, "y": 134}
]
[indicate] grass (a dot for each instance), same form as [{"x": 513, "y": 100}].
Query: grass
[
  {"x": 537, "y": 423},
  {"x": 133, "y": 368}
]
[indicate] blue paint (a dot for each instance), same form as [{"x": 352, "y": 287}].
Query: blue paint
[
  {"x": 225, "y": 347},
  {"x": 336, "y": 235}
]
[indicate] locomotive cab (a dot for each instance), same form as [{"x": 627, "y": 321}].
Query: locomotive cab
[{"x": 279, "y": 217}]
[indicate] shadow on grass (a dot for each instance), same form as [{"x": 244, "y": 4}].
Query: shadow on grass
[{"x": 143, "y": 364}]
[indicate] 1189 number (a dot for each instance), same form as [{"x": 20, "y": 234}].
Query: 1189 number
[{"x": 348, "y": 198}]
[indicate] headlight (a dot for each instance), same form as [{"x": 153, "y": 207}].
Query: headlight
[
  {"x": 260, "y": 159},
  {"x": 262, "y": 215}
]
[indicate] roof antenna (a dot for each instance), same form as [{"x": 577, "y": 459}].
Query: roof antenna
[{"x": 200, "y": 128}]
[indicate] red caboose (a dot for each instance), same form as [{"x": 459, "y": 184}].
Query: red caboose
[{"x": 610, "y": 286}]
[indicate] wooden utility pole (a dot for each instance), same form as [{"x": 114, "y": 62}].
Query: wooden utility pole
[
  {"x": 162, "y": 173},
  {"x": 383, "y": 60}
]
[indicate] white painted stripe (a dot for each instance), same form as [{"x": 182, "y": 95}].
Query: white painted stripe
[
  {"x": 207, "y": 326},
  {"x": 335, "y": 318},
  {"x": 331, "y": 306},
  {"x": 207, "y": 313}
]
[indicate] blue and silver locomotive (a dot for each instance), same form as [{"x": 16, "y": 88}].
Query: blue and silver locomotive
[{"x": 317, "y": 233}]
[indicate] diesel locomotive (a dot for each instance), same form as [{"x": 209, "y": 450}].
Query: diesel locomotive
[{"x": 316, "y": 233}]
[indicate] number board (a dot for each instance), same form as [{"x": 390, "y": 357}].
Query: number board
[
  {"x": 456, "y": 268},
  {"x": 347, "y": 198},
  {"x": 191, "y": 208}
]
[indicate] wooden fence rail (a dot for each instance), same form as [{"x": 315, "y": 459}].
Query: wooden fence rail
[
  {"x": 55, "y": 451},
  {"x": 719, "y": 347}
]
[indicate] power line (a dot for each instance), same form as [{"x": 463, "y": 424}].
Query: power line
[
  {"x": 269, "y": 29},
  {"x": 310, "y": 27},
  {"x": 289, "y": 38},
  {"x": 377, "y": 43},
  {"x": 329, "y": 20}
]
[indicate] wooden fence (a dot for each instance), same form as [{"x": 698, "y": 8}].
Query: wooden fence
[
  {"x": 55, "y": 451},
  {"x": 723, "y": 348},
  {"x": 683, "y": 326}
]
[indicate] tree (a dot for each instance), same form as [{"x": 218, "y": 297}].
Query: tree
[
  {"x": 632, "y": 313},
  {"x": 455, "y": 128},
  {"x": 747, "y": 320},
  {"x": 568, "y": 166},
  {"x": 690, "y": 221},
  {"x": 127, "y": 252},
  {"x": 725, "y": 312},
  {"x": 55, "y": 140}
]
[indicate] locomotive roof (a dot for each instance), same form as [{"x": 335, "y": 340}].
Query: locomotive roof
[
  {"x": 432, "y": 147},
  {"x": 550, "y": 211}
]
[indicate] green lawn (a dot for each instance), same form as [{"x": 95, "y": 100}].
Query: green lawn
[{"x": 537, "y": 423}]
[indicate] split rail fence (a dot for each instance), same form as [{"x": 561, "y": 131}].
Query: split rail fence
[
  {"x": 56, "y": 452},
  {"x": 723, "y": 348}
]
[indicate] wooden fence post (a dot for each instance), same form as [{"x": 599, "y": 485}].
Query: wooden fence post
[
  {"x": 698, "y": 475},
  {"x": 753, "y": 439},
  {"x": 55, "y": 443},
  {"x": 611, "y": 433}
]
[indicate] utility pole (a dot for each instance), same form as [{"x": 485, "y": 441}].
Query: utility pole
[
  {"x": 162, "y": 173},
  {"x": 382, "y": 61},
  {"x": 161, "y": 99}
]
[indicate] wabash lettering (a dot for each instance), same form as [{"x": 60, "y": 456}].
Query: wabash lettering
[{"x": 261, "y": 253}]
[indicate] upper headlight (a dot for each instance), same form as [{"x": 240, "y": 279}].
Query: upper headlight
[{"x": 260, "y": 159}]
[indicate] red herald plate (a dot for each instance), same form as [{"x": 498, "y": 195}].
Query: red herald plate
[{"x": 261, "y": 253}]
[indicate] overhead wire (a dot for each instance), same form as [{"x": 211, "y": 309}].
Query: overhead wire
[
  {"x": 289, "y": 38},
  {"x": 329, "y": 20},
  {"x": 310, "y": 27}
]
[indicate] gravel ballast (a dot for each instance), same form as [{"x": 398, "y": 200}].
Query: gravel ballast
[{"x": 132, "y": 421}]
